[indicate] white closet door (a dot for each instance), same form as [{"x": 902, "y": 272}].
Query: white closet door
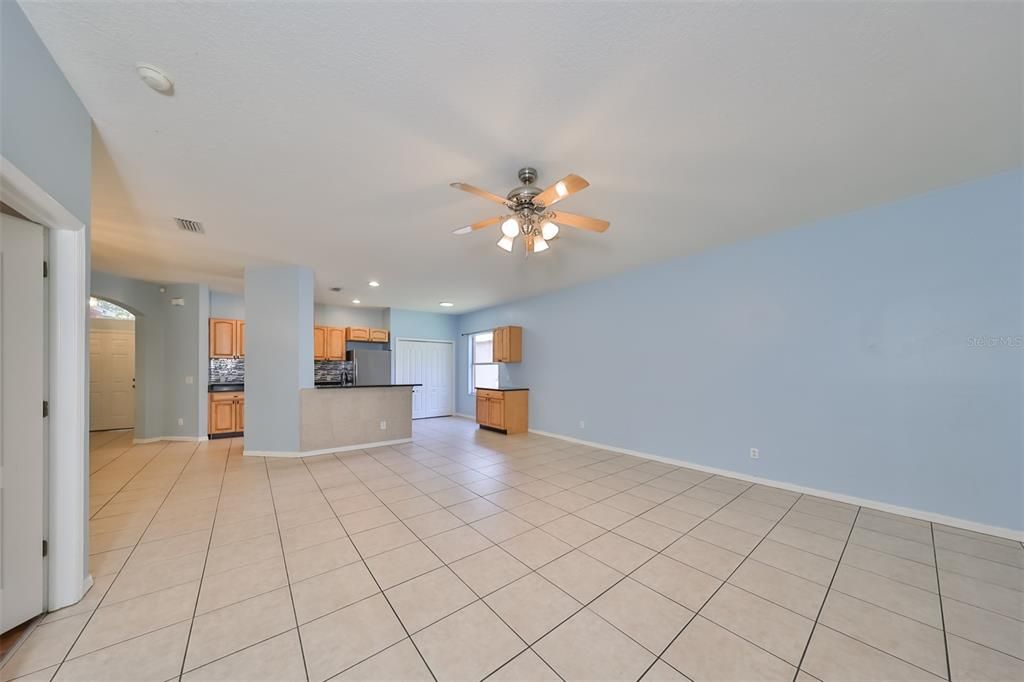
[
  {"x": 22, "y": 455},
  {"x": 430, "y": 363}
]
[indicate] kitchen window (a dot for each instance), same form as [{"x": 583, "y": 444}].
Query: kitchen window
[{"x": 483, "y": 371}]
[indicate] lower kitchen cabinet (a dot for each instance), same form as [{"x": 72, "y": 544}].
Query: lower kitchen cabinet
[
  {"x": 505, "y": 410},
  {"x": 227, "y": 413}
]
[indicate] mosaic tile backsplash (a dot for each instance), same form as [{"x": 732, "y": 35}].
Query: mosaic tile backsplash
[
  {"x": 232, "y": 371},
  {"x": 332, "y": 371},
  {"x": 227, "y": 370}
]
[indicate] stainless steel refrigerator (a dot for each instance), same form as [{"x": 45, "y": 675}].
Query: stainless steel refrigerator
[{"x": 370, "y": 367}]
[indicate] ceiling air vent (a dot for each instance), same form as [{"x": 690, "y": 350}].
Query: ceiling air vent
[{"x": 193, "y": 226}]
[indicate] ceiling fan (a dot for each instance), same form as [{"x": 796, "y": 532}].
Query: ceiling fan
[{"x": 530, "y": 212}]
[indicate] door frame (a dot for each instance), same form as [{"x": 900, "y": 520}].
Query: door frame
[
  {"x": 67, "y": 494},
  {"x": 394, "y": 369}
]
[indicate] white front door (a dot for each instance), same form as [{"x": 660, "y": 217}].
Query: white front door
[
  {"x": 22, "y": 454},
  {"x": 430, "y": 363},
  {"x": 111, "y": 378}
]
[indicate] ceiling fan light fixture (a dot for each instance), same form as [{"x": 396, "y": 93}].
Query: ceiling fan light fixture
[
  {"x": 506, "y": 243},
  {"x": 549, "y": 230},
  {"x": 539, "y": 244},
  {"x": 510, "y": 228}
]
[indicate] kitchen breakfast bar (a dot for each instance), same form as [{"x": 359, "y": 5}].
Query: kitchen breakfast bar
[{"x": 343, "y": 417}]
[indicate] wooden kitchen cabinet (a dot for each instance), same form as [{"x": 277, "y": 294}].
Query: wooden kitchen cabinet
[
  {"x": 379, "y": 335},
  {"x": 227, "y": 338},
  {"x": 336, "y": 343},
  {"x": 319, "y": 343},
  {"x": 506, "y": 411},
  {"x": 329, "y": 343},
  {"x": 508, "y": 344},
  {"x": 227, "y": 413},
  {"x": 358, "y": 333}
]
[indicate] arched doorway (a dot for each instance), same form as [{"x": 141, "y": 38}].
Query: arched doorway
[{"x": 111, "y": 366}]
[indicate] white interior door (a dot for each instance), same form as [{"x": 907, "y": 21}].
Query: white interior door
[
  {"x": 432, "y": 364},
  {"x": 22, "y": 312},
  {"x": 111, "y": 379}
]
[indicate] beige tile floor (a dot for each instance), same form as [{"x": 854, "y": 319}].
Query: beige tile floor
[{"x": 468, "y": 555}]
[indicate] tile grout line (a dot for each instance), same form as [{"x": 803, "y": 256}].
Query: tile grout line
[
  {"x": 206, "y": 558},
  {"x": 696, "y": 613},
  {"x": 942, "y": 610},
  {"x": 366, "y": 566},
  {"x": 673, "y": 496},
  {"x": 284, "y": 559},
  {"x": 130, "y": 479},
  {"x": 529, "y": 647},
  {"x": 821, "y": 608},
  {"x": 128, "y": 558}
]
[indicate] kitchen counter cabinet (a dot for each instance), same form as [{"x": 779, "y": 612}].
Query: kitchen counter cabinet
[
  {"x": 227, "y": 413},
  {"x": 504, "y": 410}
]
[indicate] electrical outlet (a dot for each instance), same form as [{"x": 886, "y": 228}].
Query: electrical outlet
[
  {"x": 383, "y": 425},
  {"x": 189, "y": 380},
  {"x": 583, "y": 424},
  {"x": 754, "y": 454},
  {"x": 181, "y": 422}
]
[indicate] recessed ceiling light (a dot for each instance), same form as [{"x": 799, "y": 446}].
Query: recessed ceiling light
[
  {"x": 155, "y": 78},
  {"x": 446, "y": 304},
  {"x": 356, "y": 301},
  {"x": 373, "y": 283},
  {"x": 335, "y": 289}
]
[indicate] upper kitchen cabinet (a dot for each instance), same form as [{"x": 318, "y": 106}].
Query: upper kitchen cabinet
[
  {"x": 319, "y": 343},
  {"x": 358, "y": 333},
  {"x": 379, "y": 335},
  {"x": 329, "y": 343},
  {"x": 508, "y": 344},
  {"x": 336, "y": 343},
  {"x": 227, "y": 338}
]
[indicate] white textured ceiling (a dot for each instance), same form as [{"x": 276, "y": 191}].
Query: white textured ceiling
[{"x": 326, "y": 134}]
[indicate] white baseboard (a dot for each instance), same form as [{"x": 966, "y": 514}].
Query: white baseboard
[
  {"x": 325, "y": 451},
  {"x": 179, "y": 439},
  {"x": 998, "y": 531},
  {"x": 464, "y": 416}
]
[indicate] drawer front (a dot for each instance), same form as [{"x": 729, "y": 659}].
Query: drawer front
[
  {"x": 226, "y": 397},
  {"x": 489, "y": 394}
]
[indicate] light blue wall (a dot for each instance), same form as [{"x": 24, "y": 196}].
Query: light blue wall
[
  {"x": 842, "y": 350},
  {"x": 44, "y": 129},
  {"x": 229, "y": 306},
  {"x": 278, "y": 355},
  {"x": 410, "y": 324},
  {"x": 47, "y": 133},
  {"x": 185, "y": 329},
  {"x": 341, "y": 316},
  {"x": 170, "y": 345}
]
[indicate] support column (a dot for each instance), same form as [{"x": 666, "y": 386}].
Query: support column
[{"x": 278, "y": 356}]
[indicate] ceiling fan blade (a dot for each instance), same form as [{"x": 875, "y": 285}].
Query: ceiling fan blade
[
  {"x": 478, "y": 225},
  {"x": 580, "y": 221},
  {"x": 565, "y": 187},
  {"x": 482, "y": 193}
]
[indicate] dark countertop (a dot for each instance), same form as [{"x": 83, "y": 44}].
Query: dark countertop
[
  {"x": 231, "y": 388},
  {"x": 225, "y": 388},
  {"x": 503, "y": 388},
  {"x": 367, "y": 385}
]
